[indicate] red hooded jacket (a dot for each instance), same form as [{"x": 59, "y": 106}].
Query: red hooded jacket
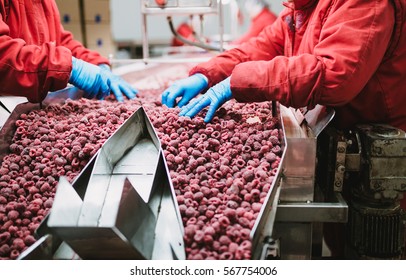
[
  {"x": 35, "y": 51},
  {"x": 347, "y": 54}
]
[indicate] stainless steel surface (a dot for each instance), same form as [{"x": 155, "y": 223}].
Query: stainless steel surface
[
  {"x": 264, "y": 224},
  {"x": 180, "y": 7},
  {"x": 299, "y": 215},
  {"x": 295, "y": 239},
  {"x": 10, "y": 102},
  {"x": 326, "y": 212},
  {"x": 318, "y": 118},
  {"x": 40, "y": 250},
  {"x": 300, "y": 164},
  {"x": 4, "y": 115},
  {"x": 169, "y": 238},
  {"x": 124, "y": 238},
  {"x": 300, "y": 160},
  {"x": 104, "y": 187},
  {"x": 129, "y": 209}
]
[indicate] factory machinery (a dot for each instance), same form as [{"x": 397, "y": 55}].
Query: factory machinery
[
  {"x": 331, "y": 180},
  {"x": 343, "y": 188},
  {"x": 350, "y": 181},
  {"x": 332, "y": 187},
  {"x": 175, "y": 8}
]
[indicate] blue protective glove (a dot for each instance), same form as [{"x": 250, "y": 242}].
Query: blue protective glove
[
  {"x": 98, "y": 82},
  {"x": 186, "y": 88},
  {"x": 89, "y": 78},
  {"x": 214, "y": 97},
  {"x": 118, "y": 86}
]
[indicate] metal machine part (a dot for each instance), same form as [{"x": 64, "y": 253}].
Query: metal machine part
[
  {"x": 4, "y": 114},
  {"x": 300, "y": 210},
  {"x": 91, "y": 215},
  {"x": 327, "y": 176},
  {"x": 78, "y": 227},
  {"x": 121, "y": 206},
  {"x": 367, "y": 166},
  {"x": 173, "y": 8}
]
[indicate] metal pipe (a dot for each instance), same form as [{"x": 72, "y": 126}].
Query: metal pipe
[
  {"x": 188, "y": 42},
  {"x": 145, "y": 47},
  {"x": 221, "y": 27}
]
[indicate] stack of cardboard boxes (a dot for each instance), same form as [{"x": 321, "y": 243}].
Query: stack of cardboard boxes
[
  {"x": 89, "y": 21},
  {"x": 98, "y": 26},
  {"x": 71, "y": 19}
]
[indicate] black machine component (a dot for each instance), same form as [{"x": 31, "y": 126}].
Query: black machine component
[
  {"x": 367, "y": 165},
  {"x": 271, "y": 249}
]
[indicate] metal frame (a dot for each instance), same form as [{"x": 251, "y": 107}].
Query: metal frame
[
  {"x": 299, "y": 215},
  {"x": 176, "y": 8}
]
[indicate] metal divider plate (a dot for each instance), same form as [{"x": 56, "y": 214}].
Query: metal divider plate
[{"x": 122, "y": 205}]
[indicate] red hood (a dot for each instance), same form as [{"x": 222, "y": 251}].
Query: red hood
[{"x": 301, "y": 4}]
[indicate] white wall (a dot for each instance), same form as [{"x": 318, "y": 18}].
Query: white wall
[{"x": 276, "y": 6}]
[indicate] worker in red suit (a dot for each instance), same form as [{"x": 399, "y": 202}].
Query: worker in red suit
[
  {"x": 260, "y": 16},
  {"x": 349, "y": 55},
  {"x": 38, "y": 56},
  {"x": 345, "y": 54}
]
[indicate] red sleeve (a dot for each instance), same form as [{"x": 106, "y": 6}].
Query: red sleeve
[
  {"x": 266, "y": 46},
  {"x": 79, "y": 51},
  {"x": 29, "y": 70},
  {"x": 352, "y": 43}
]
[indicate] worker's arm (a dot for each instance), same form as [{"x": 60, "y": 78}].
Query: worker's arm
[
  {"x": 264, "y": 47},
  {"x": 29, "y": 70},
  {"x": 352, "y": 43}
]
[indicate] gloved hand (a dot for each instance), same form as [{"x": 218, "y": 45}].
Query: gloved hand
[
  {"x": 118, "y": 86},
  {"x": 214, "y": 97},
  {"x": 186, "y": 88},
  {"x": 90, "y": 78}
]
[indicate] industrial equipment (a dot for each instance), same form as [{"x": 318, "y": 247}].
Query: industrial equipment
[
  {"x": 326, "y": 171},
  {"x": 173, "y": 8},
  {"x": 121, "y": 206},
  {"x": 353, "y": 180},
  {"x": 366, "y": 165}
]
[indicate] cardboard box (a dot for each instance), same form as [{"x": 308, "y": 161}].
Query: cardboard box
[
  {"x": 76, "y": 29},
  {"x": 99, "y": 38},
  {"x": 69, "y": 10},
  {"x": 97, "y": 11},
  {"x": 98, "y": 34},
  {"x": 105, "y": 50}
]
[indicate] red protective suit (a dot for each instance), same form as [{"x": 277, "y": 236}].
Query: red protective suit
[
  {"x": 35, "y": 51},
  {"x": 348, "y": 54},
  {"x": 258, "y": 23}
]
